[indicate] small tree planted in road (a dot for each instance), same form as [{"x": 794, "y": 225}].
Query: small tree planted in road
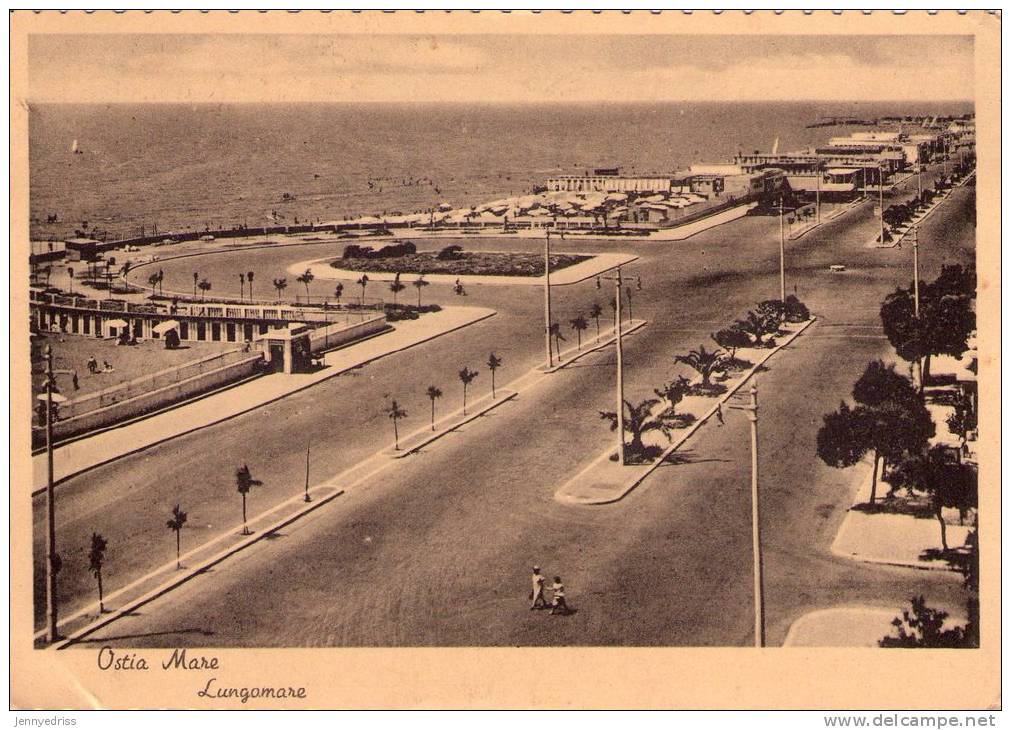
[
  {"x": 946, "y": 481},
  {"x": 363, "y": 282},
  {"x": 176, "y": 525},
  {"x": 757, "y": 326},
  {"x": 305, "y": 279},
  {"x": 579, "y": 324},
  {"x": 395, "y": 412},
  {"x": 639, "y": 419},
  {"x": 732, "y": 338},
  {"x": 923, "y": 628},
  {"x": 249, "y": 278},
  {"x": 338, "y": 292},
  {"x": 433, "y": 394},
  {"x": 244, "y": 482},
  {"x": 204, "y": 286},
  {"x": 556, "y": 333},
  {"x": 704, "y": 362},
  {"x": 196, "y": 278},
  {"x": 494, "y": 363},
  {"x": 595, "y": 313},
  {"x": 674, "y": 391},
  {"x": 242, "y": 285},
  {"x": 96, "y": 559},
  {"x": 466, "y": 377},
  {"x": 396, "y": 286},
  {"x": 419, "y": 284},
  {"x": 280, "y": 285}
]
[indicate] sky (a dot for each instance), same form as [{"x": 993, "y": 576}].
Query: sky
[{"x": 496, "y": 68}]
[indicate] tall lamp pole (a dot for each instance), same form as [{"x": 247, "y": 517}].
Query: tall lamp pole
[
  {"x": 620, "y": 378},
  {"x": 751, "y": 409},
  {"x": 916, "y": 296},
  {"x": 51, "y": 556},
  {"x": 817, "y": 194},
  {"x": 881, "y": 203},
  {"x": 547, "y": 294},
  {"x": 782, "y": 259}
]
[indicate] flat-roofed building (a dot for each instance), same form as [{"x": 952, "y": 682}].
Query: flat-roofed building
[{"x": 609, "y": 180}]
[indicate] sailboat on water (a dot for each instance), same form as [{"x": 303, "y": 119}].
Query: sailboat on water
[{"x": 75, "y": 148}]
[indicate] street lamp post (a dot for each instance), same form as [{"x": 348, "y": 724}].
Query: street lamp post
[
  {"x": 620, "y": 379},
  {"x": 817, "y": 194},
  {"x": 881, "y": 203},
  {"x": 51, "y": 557},
  {"x": 782, "y": 259},
  {"x": 916, "y": 297},
  {"x": 751, "y": 409},
  {"x": 547, "y": 294}
]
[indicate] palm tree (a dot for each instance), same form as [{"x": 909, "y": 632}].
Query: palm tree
[
  {"x": 204, "y": 286},
  {"x": 674, "y": 391},
  {"x": 494, "y": 363},
  {"x": 595, "y": 312},
  {"x": 640, "y": 420},
  {"x": 243, "y": 483},
  {"x": 242, "y": 285},
  {"x": 95, "y": 560},
  {"x": 249, "y": 278},
  {"x": 152, "y": 281},
  {"x": 420, "y": 284},
  {"x": 338, "y": 292},
  {"x": 395, "y": 412},
  {"x": 176, "y": 523},
  {"x": 70, "y": 273},
  {"x": 703, "y": 361},
  {"x": 196, "y": 277},
  {"x": 161, "y": 277},
  {"x": 556, "y": 332},
  {"x": 396, "y": 287},
  {"x": 754, "y": 325},
  {"x": 578, "y": 323},
  {"x": 280, "y": 285},
  {"x": 363, "y": 282},
  {"x": 306, "y": 279},
  {"x": 466, "y": 376},
  {"x": 434, "y": 392}
]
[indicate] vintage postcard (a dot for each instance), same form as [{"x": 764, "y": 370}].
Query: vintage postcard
[{"x": 505, "y": 360}]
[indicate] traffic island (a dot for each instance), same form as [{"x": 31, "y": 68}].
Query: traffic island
[
  {"x": 412, "y": 443},
  {"x": 843, "y": 626},
  {"x": 571, "y": 355},
  {"x": 605, "y": 480}
]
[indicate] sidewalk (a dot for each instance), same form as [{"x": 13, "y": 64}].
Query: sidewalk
[
  {"x": 825, "y": 219},
  {"x": 680, "y": 233},
  {"x": 604, "y": 481},
  {"x": 916, "y": 220},
  {"x": 598, "y": 264},
  {"x": 115, "y": 443},
  {"x": 843, "y": 626},
  {"x": 901, "y": 540}
]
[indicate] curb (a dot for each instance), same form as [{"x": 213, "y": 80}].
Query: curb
[
  {"x": 648, "y": 469},
  {"x": 436, "y": 435},
  {"x": 191, "y": 573},
  {"x": 827, "y": 219},
  {"x": 253, "y": 407},
  {"x": 632, "y": 327}
]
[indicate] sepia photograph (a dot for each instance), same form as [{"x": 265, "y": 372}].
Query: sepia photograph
[{"x": 538, "y": 331}]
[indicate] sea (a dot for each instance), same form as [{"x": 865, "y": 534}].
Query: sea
[{"x": 172, "y": 167}]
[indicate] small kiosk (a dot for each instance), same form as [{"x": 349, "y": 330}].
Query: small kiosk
[{"x": 286, "y": 350}]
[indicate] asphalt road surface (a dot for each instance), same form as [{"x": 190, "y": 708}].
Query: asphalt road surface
[{"x": 437, "y": 551}]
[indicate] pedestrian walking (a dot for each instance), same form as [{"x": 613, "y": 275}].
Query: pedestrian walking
[
  {"x": 558, "y": 604},
  {"x": 73, "y": 379},
  {"x": 719, "y": 414},
  {"x": 537, "y": 599},
  {"x": 92, "y": 365}
]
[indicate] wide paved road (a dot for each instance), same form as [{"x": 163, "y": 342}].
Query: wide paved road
[{"x": 437, "y": 552}]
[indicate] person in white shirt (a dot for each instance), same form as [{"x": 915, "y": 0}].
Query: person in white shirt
[
  {"x": 558, "y": 604},
  {"x": 537, "y": 599}
]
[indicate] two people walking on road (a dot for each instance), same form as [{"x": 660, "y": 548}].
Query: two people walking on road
[{"x": 537, "y": 598}]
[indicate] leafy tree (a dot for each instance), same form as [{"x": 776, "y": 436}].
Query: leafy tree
[
  {"x": 433, "y": 393},
  {"x": 945, "y": 480},
  {"x": 338, "y": 292},
  {"x": 419, "y": 284},
  {"x": 176, "y": 524},
  {"x": 395, "y": 412},
  {"x": 153, "y": 280},
  {"x": 880, "y": 384},
  {"x": 703, "y": 361},
  {"x": 244, "y": 482},
  {"x": 963, "y": 420},
  {"x": 242, "y": 284},
  {"x": 466, "y": 377},
  {"x": 96, "y": 558},
  {"x": 306, "y": 279},
  {"x": 772, "y": 310},
  {"x": 249, "y": 278},
  {"x": 204, "y": 286},
  {"x": 494, "y": 363},
  {"x": 280, "y": 285},
  {"x": 196, "y": 277},
  {"x": 731, "y": 338},
  {"x": 923, "y": 628},
  {"x": 639, "y": 419},
  {"x": 595, "y": 312},
  {"x": 579, "y": 324},
  {"x": 757, "y": 326},
  {"x": 674, "y": 391},
  {"x": 796, "y": 310}
]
